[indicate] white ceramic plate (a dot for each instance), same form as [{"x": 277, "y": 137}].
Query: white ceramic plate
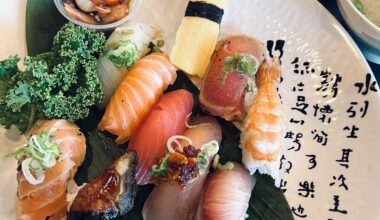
[{"x": 319, "y": 42}]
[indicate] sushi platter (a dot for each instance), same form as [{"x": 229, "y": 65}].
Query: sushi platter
[{"x": 185, "y": 110}]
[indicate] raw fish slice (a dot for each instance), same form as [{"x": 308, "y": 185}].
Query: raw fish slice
[
  {"x": 136, "y": 95},
  {"x": 37, "y": 200},
  {"x": 53, "y": 209},
  {"x": 48, "y": 198},
  {"x": 222, "y": 94},
  {"x": 168, "y": 201},
  {"x": 226, "y": 195},
  {"x": 167, "y": 118},
  {"x": 121, "y": 40},
  {"x": 61, "y": 169}
]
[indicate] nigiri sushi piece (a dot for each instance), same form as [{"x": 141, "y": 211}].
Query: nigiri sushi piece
[
  {"x": 197, "y": 36},
  {"x": 109, "y": 196},
  {"x": 167, "y": 118},
  {"x": 127, "y": 44},
  {"x": 230, "y": 75},
  {"x": 136, "y": 95},
  {"x": 47, "y": 198},
  {"x": 178, "y": 193},
  {"x": 226, "y": 195},
  {"x": 264, "y": 125}
]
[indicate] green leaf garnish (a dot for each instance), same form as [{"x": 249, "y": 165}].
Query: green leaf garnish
[
  {"x": 160, "y": 170},
  {"x": 243, "y": 63},
  {"x": 208, "y": 150},
  {"x": 123, "y": 54},
  {"x": 40, "y": 148},
  {"x": 18, "y": 97}
]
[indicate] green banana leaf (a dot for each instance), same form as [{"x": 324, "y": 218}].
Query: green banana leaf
[{"x": 267, "y": 202}]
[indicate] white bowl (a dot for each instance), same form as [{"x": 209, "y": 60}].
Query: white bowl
[
  {"x": 99, "y": 27},
  {"x": 363, "y": 28}
]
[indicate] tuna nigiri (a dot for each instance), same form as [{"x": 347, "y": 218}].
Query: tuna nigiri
[
  {"x": 137, "y": 93},
  {"x": 167, "y": 118},
  {"x": 47, "y": 198},
  {"x": 172, "y": 201},
  {"x": 226, "y": 195},
  {"x": 264, "y": 126},
  {"x": 231, "y": 69}
]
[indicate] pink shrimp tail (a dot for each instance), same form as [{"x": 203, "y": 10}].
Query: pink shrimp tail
[{"x": 269, "y": 71}]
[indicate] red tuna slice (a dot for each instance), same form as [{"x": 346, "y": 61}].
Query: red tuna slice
[
  {"x": 167, "y": 118},
  {"x": 222, "y": 94}
]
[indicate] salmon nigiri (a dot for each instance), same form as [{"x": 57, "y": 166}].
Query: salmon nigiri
[
  {"x": 226, "y": 195},
  {"x": 224, "y": 87},
  {"x": 264, "y": 125},
  {"x": 48, "y": 198},
  {"x": 172, "y": 201},
  {"x": 167, "y": 118},
  {"x": 137, "y": 93}
]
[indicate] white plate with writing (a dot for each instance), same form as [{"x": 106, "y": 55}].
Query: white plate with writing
[{"x": 331, "y": 169}]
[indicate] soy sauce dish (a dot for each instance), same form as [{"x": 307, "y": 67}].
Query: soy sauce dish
[{"x": 102, "y": 15}]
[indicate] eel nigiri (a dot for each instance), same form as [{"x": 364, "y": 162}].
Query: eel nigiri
[
  {"x": 226, "y": 195},
  {"x": 264, "y": 125},
  {"x": 230, "y": 72},
  {"x": 167, "y": 118},
  {"x": 110, "y": 195},
  {"x": 136, "y": 95},
  {"x": 173, "y": 201},
  {"x": 197, "y": 36},
  {"x": 48, "y": 198}
]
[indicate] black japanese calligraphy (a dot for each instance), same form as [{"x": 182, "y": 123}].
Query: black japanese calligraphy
[
  {"x": 322, "y": 113},
  {"x": 344, "y": 161},
  {"x": 299, "y": 211},
  {"x": 296, "y": 140},
  {"x": 336, "y": 206},
  {"x": 301, "y": 105},
  {"x": 299, "y": 87},
  {"x": 368, "y": 85},
  {"x": 306, "y": 189},
  {"x": 312, "y": 161},
  {"x": 320, "y": 137},
  {"x": 283, "y": 185},
  {"x": 329, "y": 84},
  {"x": 304, "y": 69},
  {"x": 286, "y": 164},
  {"x": 294, "y": 121},
  {"x": 278, "y": 46},
  {"x": 353, "y": 109},
  {"x": 341, "y": 179},
  {"x": 351, "y": 131}
]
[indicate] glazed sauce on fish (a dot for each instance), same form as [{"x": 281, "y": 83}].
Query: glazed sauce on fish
[{"x": 99, "y": 197}]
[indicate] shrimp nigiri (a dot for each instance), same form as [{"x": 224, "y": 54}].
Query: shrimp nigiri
[
  {"x": 48, "y": 198},
  {"x": 167, "y": 118},
  {"x": 264, "y": 125},
  {"x": 170, "y": 201},
  {"x": 136, "y": 95},
  {"x": 226, "y": 195}
]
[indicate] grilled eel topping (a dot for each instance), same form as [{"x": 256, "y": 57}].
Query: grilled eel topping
[{"x": 110, "y": 195}]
